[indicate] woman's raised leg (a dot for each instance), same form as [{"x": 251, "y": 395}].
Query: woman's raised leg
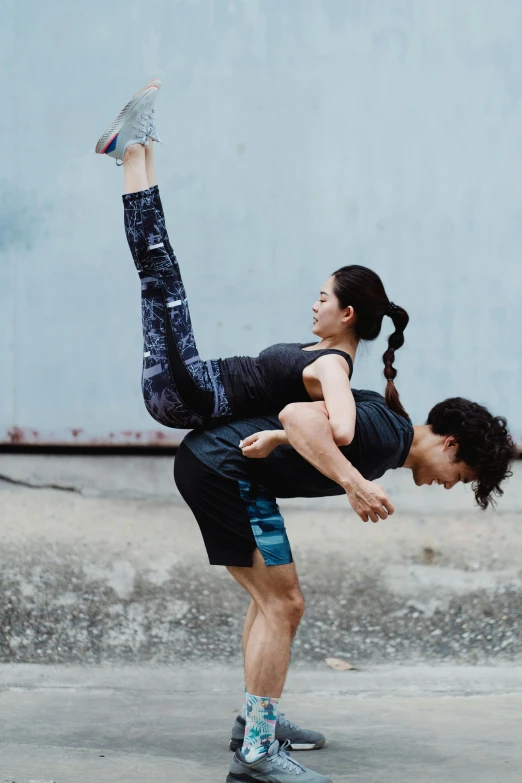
[
  {"x": 152, "y": 182},
  {"x": 135, "y": 169},
  {"x": 179, "y": 388},
  {"x": 150, "y": 168}
]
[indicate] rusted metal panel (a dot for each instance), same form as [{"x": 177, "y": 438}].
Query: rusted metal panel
[{"x": 27, "y": 436}]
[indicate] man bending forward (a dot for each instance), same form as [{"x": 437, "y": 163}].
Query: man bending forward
[{"x": 233, "y": 498}]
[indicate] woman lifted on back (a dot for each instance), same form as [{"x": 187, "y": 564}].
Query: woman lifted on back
[{"x": 182, "y": 390}]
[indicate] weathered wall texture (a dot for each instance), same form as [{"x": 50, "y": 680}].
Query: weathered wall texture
[
  {"x": 109, "y": 566},
  {"x": 299, "y": 136}
]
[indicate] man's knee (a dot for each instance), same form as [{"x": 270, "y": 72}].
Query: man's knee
[{"x": 287, "y": 609}]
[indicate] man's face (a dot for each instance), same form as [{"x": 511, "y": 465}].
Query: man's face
[{"x": 439, "y": 466}]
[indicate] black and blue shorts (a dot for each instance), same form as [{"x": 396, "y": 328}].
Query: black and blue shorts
[{"x": 235, "y": 517}]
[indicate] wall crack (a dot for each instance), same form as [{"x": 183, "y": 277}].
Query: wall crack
[{"x": 30, "y": 485}]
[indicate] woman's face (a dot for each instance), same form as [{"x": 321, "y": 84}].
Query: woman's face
[{"x": 329, "y": 320}]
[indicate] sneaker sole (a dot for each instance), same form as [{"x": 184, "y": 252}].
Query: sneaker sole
[
  {"x": 309, "y": 746},
  {"x": 115, "y": 127},
  {"x": 243, "y": 777},
  {"x": 235, "y": 744}
]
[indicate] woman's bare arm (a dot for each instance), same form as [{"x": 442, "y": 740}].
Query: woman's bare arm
[
  {"x": 309, "y": 431},
  {"x": 331, "y": 372}
]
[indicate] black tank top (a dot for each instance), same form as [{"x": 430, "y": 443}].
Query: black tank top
[{"x": 266, "y": 383}]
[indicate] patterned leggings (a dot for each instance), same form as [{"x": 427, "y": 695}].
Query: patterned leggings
[{"x": 179, "y": 388}]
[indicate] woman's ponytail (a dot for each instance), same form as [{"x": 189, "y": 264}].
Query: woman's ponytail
[
  {"x": 361, "y": 288},
  {"x": 400, "y": 320}
]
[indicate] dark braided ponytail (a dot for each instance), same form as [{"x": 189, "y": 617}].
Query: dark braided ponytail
[
  {"x": 359, "y": 287},
  {"x": 400, "y": 320}
]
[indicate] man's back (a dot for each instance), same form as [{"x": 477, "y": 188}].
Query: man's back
[{"x": 381, "y": 442}]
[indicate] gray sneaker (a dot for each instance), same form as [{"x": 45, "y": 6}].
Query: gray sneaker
[
  {"x": 133, "y": 124},
  {"x": 152, "y": 133},
  {"x": 277, "y": 766},
  {"x": 299, "y": 739}
]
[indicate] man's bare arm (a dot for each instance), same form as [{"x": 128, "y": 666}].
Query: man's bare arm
[{"x": 309, "y": 432}]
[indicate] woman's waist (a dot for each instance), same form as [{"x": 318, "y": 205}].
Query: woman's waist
[
  {"x": 243, "y": 382},
  {"x": 250, "y": 391}
]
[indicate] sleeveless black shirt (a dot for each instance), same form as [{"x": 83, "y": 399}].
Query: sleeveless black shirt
[{"x": 266, "y": 383}]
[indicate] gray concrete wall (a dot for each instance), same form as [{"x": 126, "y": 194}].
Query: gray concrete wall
[
  {"x": 299, "y": 136},
  {"x": 101, "y": 561}
]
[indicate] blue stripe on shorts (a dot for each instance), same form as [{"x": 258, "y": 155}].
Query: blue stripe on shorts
[{"x": 267, "y": 523}]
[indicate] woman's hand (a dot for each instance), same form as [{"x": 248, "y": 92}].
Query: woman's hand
[
  {"x": 369, "y": 500},
  {"x": 261, "y": 444}
]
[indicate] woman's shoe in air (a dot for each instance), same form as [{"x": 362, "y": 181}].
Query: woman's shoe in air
[{"x": 133, "y": 125}]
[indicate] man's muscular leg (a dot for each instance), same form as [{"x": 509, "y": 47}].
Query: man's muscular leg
[
  {"x": 249, "y": 621},
  {"x": 247, "y": 627},
  {"x": 270, "y": 626}
]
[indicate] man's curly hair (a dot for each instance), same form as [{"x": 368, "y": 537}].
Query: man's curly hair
[{"x": 484, "y": 443}]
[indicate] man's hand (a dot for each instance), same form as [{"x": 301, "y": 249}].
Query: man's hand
[
  {"x": 261, "y": 444},
  {"x": 309, "y": 432},
  {"x": 369, "y": 500}
]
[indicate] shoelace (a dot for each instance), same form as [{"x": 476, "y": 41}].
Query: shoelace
[
  {"x": 287, "y": 724},
  {"x": 149, "y": 119},
  {"x": 141, "y": 126},
  {"x": 151, "y": 125},
  {"x": 284, "y": 760}
]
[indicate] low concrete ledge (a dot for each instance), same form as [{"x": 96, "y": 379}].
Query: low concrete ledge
[{"x": 111, "y": 568}]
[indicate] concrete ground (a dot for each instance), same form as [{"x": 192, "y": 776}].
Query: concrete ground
[
  {"x": 120, "y": 647},
  {"x": 101, "y": 561},
  {"x": 171, "y": 725}
]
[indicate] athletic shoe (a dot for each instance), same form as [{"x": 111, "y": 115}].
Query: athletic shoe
[
  {"x": 276, "y": 766},
  {"x": 132, "y": 124},
  {"x": 152, "y": 133},
  {"x": 299, "y": 739},
  {"x": 152, "y": 83}
]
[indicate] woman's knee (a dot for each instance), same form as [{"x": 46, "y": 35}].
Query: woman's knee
[
  {"x": 153, "y": 409},
  {"x": 167, "y": 408}
]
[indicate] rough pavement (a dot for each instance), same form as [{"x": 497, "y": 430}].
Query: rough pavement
[
  {"x": 383, "y": 724},
  {"x": 101, "y": 562}
]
